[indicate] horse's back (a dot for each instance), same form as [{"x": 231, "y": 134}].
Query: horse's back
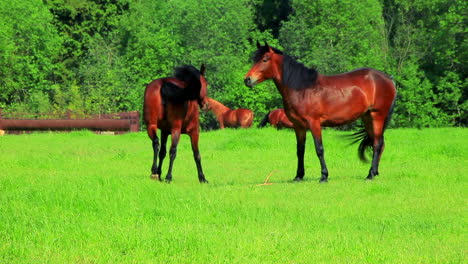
[{"x": 374, "y": 84}]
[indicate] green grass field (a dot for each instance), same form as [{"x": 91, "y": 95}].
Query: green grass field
[{"x": 85, "y": 198}]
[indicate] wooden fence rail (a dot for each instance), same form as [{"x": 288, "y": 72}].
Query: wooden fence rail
[{"x": 25, "y": 122}]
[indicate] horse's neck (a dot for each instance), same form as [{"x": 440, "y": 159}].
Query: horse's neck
[
  {"x": 218, "y": 108},
  {"x": 284, "y": 91},
  {"x": 278, "y": 80}
]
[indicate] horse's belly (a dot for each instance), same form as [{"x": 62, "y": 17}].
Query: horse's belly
[
  {"x": 332, "y": 122},
  {"x": 346, "y": 112}
]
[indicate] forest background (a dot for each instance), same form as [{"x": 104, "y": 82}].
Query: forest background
[{"x": 96, "y": 56}]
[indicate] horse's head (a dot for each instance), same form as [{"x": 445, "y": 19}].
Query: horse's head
[
  {"x": 208, "y": 104},
  {"x": 203, "y": 97},
  {"x": 267, "y": 61}
]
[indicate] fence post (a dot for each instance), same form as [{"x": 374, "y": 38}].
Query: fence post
[
  {"x": 2, "y": 132},
  {"x": 134, "y": 121}
]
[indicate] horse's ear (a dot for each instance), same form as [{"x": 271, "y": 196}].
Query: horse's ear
[
  {"x": 268, "y": 47},
  {"x": 202, "y": 69},
  {"x": 258, "y": 45}
]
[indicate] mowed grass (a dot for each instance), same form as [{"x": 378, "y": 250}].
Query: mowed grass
[{"x": 85, "y": 198}]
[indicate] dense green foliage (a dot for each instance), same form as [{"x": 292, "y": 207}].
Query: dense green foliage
[
  {"x": 94, "y": 56},
  {"x": 85, "y": 198}
]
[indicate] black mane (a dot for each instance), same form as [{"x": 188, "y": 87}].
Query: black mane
[
  {"x": 296, "y": 76},
  {"x": 191, "y": 76}
]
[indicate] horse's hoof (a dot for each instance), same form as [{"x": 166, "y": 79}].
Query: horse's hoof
[
  {"x": 323, "y": 180},
  {"x": 298, "y": 179},
  {"x": 369, "y": 178},
  {"x": 168, "y": 180},
  {"x": 203, "y": 180},
  {"x": 155, "y": 177}
]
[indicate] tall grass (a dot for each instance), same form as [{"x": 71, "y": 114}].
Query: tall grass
[{"x": 85, "y": 198}]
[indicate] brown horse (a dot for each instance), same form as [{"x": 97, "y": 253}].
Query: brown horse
[
  {"x": 227, "y": 117},
  {"x": 312, "y": 100},
  {"x": 277, "y": 118},
  {"x": 171, "y": 105}
]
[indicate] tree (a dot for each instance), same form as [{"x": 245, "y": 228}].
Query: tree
[
  {"x": 78, "y": 22},
  {"x": 333, "y": 37},
  {"x": 29, "y": 52},
  {"x": 269, "y": 14},
  {"x": 429, "y": 35}
]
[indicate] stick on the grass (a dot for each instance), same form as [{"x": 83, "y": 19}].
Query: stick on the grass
[{"x": 268, "y": 178}]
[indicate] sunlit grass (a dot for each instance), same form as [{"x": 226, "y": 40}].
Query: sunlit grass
[{"x": 85, "y": 198}]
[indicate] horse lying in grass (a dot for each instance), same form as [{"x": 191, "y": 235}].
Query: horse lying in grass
[
  {"x": 312, "y": 100},
  {"x": 171, "y": 105},
  {"x": 277, "y": 118},
  {"x": 227, "y": 117}
]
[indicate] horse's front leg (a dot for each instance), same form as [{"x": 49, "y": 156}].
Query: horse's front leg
[
  {"x": 221, "y": 122},
  {"x": 300, "y": 140},
  {"x": 175, "y": 136},
  {"x": 316, "y": 129},
  {"x": 197, "y": 157}
]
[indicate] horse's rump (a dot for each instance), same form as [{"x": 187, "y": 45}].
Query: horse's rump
[{"x": 244, "y": 117}]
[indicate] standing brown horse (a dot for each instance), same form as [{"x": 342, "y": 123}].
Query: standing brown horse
[
  {"x": 171, "y": 104},
  {"x": 277, "y": 118},
  {"x": 227, "y": 117},
  {"x": 312, "y": 100}
]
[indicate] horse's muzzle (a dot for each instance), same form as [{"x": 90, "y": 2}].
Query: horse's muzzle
[
  {"x": 248, "y": 82},
  {"x": 205, "y": 107}
]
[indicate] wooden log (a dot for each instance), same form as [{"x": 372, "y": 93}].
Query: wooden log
[{"x": 66, "y": 125}]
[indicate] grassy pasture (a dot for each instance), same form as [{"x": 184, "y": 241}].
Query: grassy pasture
[{"x": 85, "y": 198}]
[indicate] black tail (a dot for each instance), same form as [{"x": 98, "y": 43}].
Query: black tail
[
  {"x": 367, "y": 141},
  {"x": 173, "y": 93},
  {"x": 265, "y": 120}
]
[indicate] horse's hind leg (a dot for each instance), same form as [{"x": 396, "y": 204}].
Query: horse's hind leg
[
  {"x": 153, "y": 135},
  {"x": 162, "y": 151},
  {"x": 317, "y": 134},
  {"x": 197, "y": 157},
  {"x": 378, "y": 144},
  {"x": 175, "y": 136}
]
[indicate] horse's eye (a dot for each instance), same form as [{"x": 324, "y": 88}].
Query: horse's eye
[{"x": 265, "y": 60}]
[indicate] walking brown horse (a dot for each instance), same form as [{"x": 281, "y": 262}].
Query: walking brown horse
[
  {"x": 227, "y": 117},
  {"x": 171, "y": 105},
  {"x": 312, "y": 100},
  {"x": 277, "y": 118}
]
